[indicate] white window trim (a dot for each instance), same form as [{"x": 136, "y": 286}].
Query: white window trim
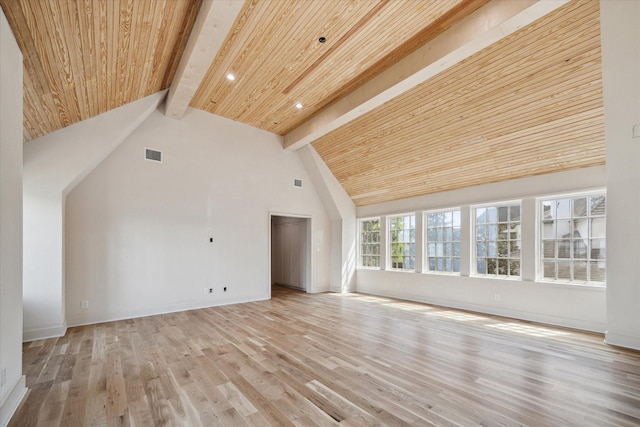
[{"x": 538, "y": 262}]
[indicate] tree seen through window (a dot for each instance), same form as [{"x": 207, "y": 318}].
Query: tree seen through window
[{"x": 402, "y": 242}]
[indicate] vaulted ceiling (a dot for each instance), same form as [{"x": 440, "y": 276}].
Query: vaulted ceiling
[{"x": 401, "y": 98}]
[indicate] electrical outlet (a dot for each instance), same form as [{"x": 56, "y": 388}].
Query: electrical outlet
[{"x": 84, "y": 304}]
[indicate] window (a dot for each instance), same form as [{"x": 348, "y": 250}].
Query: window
[
  {"x": 573, "y": 246},
  {"x": 402, "y": 242},
  {"x": 443, "y": 241},
  {"x": 370, "y": 243},
  {"x": 497, "y": 240}
]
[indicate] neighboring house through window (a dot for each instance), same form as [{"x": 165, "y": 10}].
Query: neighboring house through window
[{"x": 573, "y": 244}]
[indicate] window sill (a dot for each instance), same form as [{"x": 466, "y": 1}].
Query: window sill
[
  {"x": 441, "y": 273},
  {"x": 505, "y": 278},
  {"x": 571, "y": 285},
  {"x": 401, "y": 270}
]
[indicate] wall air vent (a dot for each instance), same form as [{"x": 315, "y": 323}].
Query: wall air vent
[
  {"x": 297, "y": 183},
  {"x": 153, "y": 155}
]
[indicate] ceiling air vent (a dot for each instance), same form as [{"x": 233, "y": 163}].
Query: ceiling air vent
[
  {"x": 297, "y": 183},
  {"x": 153, "y": 155}
]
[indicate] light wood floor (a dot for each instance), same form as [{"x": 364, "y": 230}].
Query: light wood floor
[{"x": 327, "y": 360}]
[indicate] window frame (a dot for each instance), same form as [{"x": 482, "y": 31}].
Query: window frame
[
  {"x": 540, "y": 239},
  {"x": 360, "y": 254},
  {"x": 426, "y": 241},
  {"x": 389, "y": 242},
  {"x": 474, "y": 241}
]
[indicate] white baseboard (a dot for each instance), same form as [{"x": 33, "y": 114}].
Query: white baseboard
[
  {"x": 153, "y": 311},
  {"x": 622, "y": 340},
  {"x": 43, "y": 334},
  {"x": 12, "y": 401}
]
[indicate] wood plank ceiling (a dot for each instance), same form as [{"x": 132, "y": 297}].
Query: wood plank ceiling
[
  {"x": 278, "y": 61},
  {"x": 85, "y": 57},
  {"x": 529, "y": 104}
]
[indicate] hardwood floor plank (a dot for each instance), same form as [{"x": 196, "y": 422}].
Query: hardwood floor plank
[
  {"x": 73, "y": 413},
  {"x": 139, "y": 412},
  {"x": 322, "y": 406},
  {"x": 326, "y": 360},
  {"x": 116, "y": 394},
  {"x": 52, "y": 408}
]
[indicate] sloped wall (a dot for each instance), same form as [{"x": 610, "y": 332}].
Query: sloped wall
[{"x": 53, "y": 165}]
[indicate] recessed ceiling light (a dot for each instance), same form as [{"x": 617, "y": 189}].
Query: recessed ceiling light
[
  {"x": 231, "y": 77},
  {"x": 299, "y": 106}
]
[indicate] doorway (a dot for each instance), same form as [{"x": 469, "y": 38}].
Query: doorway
[{"x": 291, "y": 252}]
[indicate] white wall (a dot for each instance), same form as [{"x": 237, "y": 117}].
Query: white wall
[
  {"x": 581, "y": 307},
  {"x": 12, "y": 382},
  {"x": 621, "y": 84},
  {"x": 53, "y": 165},
  {"x": 137, "y": 232}
]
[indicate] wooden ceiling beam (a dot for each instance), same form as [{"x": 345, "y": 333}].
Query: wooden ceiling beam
[
  {"x": 486, "y": 26},
  {"x": 213, "y": 23}
]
